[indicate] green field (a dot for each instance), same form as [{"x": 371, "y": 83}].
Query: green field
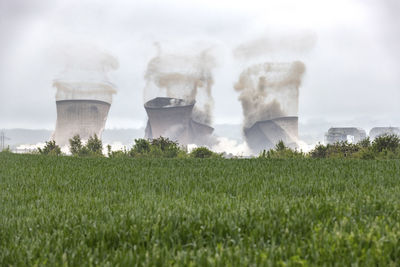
[{"x": 122, "y": 211}]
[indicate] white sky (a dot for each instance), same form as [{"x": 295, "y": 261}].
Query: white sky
[{"x": 352, "y": 71}]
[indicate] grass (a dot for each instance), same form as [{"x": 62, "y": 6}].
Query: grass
[{"x": 109, "y": 212}]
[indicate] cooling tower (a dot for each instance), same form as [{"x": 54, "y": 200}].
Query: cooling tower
[
  {"x": 200, "y": 133},
  {"x": 79, "y": 117},
  {"x": 349, "y": 134},
  {"x": 379, "y": 131},
  {"x": 266, "y": 134},
  {"x": 172, "y": 118}
]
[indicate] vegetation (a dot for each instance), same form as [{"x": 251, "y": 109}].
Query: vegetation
[
  {"x": 281, "y": 151},
  {"x": 228, "y": 212},
  {"x": 156, "y": 148},
  {"x": 383, "y": 147},
  {"x": 203, "y": 152},
  {"x": 93, "y": 147},
  {"x": 51, "y": 148}
]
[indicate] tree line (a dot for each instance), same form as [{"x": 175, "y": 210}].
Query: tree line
[
  {"x": 152, "y": 148},
  {"x": 382, "y": 147}
]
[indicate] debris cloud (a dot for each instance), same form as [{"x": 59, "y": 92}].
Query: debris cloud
[
  {"x": 269, "y": 90},
  {"x": 85, "y": 74},
  {"x": 183, "y": 76}
]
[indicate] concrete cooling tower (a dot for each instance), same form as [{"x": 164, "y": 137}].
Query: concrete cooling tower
[
  {"x": 84, "y": 94},
  {"x": 83, "y": 117},
  {"x": 343, "y": 134},
  {"x": 172, "y": 118},
  {"x": 269, "y": 93},
  {"x": 266, "y": 134},
  {"x": 379, "y": 131}
]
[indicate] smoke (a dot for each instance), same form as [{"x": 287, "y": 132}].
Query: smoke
[
  {"x": 273, "y": 44},
  {"x": 85, "y": 74},
  {"x": 187, "y": 77},
  {"x": 269, "y": 90},
  {"x": 231, "y": 147}
]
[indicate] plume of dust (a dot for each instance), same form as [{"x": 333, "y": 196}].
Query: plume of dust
[
  {"x": 187, "y": 77},
  {"x": 85, "y": 74},
  {"x": 269, "y": 90},
  {"x": 229, "y": 147},
  {"x": 272, "y": 44}
]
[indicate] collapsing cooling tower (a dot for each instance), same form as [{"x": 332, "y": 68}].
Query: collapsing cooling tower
[
  {"x": 84, "y": 95},
  {"x": 80, "y": 117},
  {"x": 266, "y": 134},
  {"x": 269, "y": 94},
  {"x": 343, "y": 134},
  {"x": 172, "y": 118},
  {"x": 379, "y": 131}
]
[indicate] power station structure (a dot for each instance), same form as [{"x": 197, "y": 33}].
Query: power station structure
[
  {"x": 84, "y": 96},
  {"x": 81, "y": 117},
  {"x": 343, "y": 134},
  {"x": 270, "y": 100},
  {"x": 380, "y": 131},
  {"x": 172, "y": 118},
  {"x": 266, "y": 134}
]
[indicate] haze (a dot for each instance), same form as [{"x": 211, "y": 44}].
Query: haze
[{"x": 352, "y": 61}]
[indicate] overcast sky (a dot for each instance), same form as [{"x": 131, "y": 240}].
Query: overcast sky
[{"x": 352, "y": 69}]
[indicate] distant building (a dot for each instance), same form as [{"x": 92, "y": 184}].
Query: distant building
[
  {"x": 349, "y": 134},
  {"x": 379, "y": 131}
]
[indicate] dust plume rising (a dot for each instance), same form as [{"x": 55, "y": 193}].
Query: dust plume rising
[
  {"x": 183, "y": 76},
  {"x": 269, "y": 90},
  {"x": 85, "y": 74},
  {"x": 272, "y": 44}
]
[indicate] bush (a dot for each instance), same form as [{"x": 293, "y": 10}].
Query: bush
[
  {"x": 365, "y": 143},
  {"x": 116, "y": 154},
  {"x": 386, "y": 143},
  {"x": 161, "y": 147},
  {"x": 75, "y": 145},
  {"x": 164, "y": 147},
  {"x": 383, "y": 147},
  {"x": 203, "y": 152},
  {"x": 140, "y": 148},
  {"x": 281, "y": 151},
  {"x": 51, "y": 148},
  {"x": 336, "y": 150},
  {"x": 93, "y": 147},
  {"x": 320, "y": 151}
]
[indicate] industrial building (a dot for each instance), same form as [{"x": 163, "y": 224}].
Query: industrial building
[
  {"x": 379, "y": 131},
  {"x": 343, "y": 134},
  {"x": 266, "y": 134},
  {"x": 79, "y": 117},
  {"x": 172, "y": 118}
]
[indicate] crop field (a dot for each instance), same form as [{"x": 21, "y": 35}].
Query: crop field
[{"x": 227, "y": 212}]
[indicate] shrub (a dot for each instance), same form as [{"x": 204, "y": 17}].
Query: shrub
[
  {"x": 365, "y": 143},
  {"x": 168, "y": 148},
  {"x": 116, "y": 154},
  {"x": 281, "y": 151},
  {"x": 51, "y": 148},
  {"x": 386, "y": 143},
  {"x": 320, "y": 151},
  {"x": 75, "y": 145},
  {"x": 95, "y": 146},
  {"x": 336, "y": 150},
  {"x": 203, "y": 152},
  {"x": 161, "y": 147},
  {"x": 140, "y": 148}
]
